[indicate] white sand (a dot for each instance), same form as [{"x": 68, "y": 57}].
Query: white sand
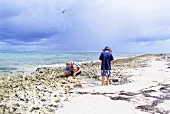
[{"x": 142, "y": 79}]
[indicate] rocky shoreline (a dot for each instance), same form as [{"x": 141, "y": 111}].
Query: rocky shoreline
[{"x": 44, "y": 91}]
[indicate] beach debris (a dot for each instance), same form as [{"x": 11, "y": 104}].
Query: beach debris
[
  {"x": 145, "y": 107},
  {"x": 114, "y": 80},
  {"x": 120, "y": 98},
  {"x": 128, "y": 93}
]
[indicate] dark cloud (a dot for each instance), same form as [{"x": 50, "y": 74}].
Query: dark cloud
[{"x": 83, "y": 25}]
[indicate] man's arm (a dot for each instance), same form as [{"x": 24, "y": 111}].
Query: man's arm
[{"x": 75, "y": 71}]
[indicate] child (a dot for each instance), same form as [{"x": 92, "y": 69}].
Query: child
[
  {"x": 106, "y": 57},
  {"x": 72, "y": 69}
]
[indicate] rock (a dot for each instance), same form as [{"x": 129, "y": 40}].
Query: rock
[
  {"x": 145, "y": 107},
  {"x": 35, "y": 108},
  {"x": 120, "y": 98},
  {"x": 78, "y": 85}
]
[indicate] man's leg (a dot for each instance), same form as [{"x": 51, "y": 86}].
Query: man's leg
[
  {"x": 108, "y": 79},
  {"x": 67, "y": 73},
  {"x": 75, "y": 69},
  {"x": 102, "y": 80}
]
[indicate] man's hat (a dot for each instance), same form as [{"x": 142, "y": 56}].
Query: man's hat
[{"x": 107, "y": 48}]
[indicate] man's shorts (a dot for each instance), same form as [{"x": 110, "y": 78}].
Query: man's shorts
[{"x": 106, "y": 73}]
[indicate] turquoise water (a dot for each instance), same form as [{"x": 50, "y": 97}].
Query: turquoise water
[{"x": 13, "y": 62}]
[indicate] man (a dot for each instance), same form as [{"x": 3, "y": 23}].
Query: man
[
  {"x": 72, "y": 69},
  {"x": 106, "y": 57}
]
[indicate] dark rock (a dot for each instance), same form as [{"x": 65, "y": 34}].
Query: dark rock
[
  {"x": 163, "y": 88},
  {"x": 40, "y": 71},
  {"x": 128, "y": 93},
  {"x": 35, "y": 108},
  {"x": 17, "y": 104},
  {"x": 156, "y": 102},
  {"x": 114, "y": 80},
  {"x": 120, "y": 98},
  {"x": 78, "y": 85},
  {"x": 148, "y": 91},
  {"x": 14, "y": 109},
  {"x": 145, "y": 107}
]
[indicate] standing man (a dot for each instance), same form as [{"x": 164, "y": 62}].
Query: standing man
[{"x": 106, "y": 57}]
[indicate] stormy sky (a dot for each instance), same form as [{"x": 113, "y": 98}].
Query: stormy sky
[{"x": 85, "y": 25}]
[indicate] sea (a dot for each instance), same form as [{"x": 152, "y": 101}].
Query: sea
[{"x": 25, "y": 62}]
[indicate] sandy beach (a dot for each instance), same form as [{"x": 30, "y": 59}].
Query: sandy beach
[
  {"x": 147, "y": 92},
  {"x": 139, "y": 85}
]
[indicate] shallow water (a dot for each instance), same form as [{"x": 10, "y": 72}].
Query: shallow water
[
  {"x": 92, "y": 82},
  {"x": 15, "y": 62}
]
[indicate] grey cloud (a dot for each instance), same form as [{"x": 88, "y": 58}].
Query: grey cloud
[{"x": 103, "y": 22}]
